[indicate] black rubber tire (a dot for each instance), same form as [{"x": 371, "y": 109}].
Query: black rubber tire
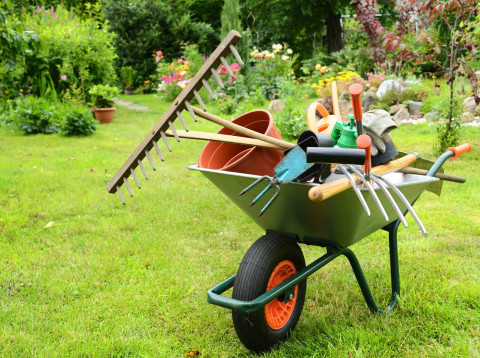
[{"x": 251, "y": 281}]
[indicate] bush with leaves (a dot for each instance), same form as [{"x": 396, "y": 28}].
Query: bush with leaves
[
  {"x": 103, "y": 96},
  {"x": 161, "y": 25},
  {"x": 35, "y": 115},
  {"x": 79, "y": 122},
  {"x": 72, "y": 54},
  {"x": 291, "y": 121}
]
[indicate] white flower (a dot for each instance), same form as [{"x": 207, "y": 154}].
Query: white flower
[
  {"x": 289, "y": 51},
  {"x": 285, "y": 57},
  {"x": 277, "y": 47}
]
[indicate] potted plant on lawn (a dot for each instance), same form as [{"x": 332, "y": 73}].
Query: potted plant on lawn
[
  {"x": 129, "y": 76},
  {"x": 102, "y": 100}
]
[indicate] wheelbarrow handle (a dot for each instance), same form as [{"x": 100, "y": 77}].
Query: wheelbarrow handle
[
  {"x": 449, "y": 153},
  {"x": 327, "y": 190},
  {"x": 463, "y": 148}
]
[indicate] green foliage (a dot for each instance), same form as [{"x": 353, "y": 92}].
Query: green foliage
[
  {"x": 354, "y": 59},
  {"x": 392, "y": 97},
  {"x": 161, "y": 25},
  {"x": 291, "y": 121},
  {"x": 129, "y": 76},
  {"x": 70, "y": 56},
  {"x": 103, "y": 95},
  {"x": 35, "y": 115},
  {"x": 79, "y": 122},
  {"x": 16, "y": 44},
  {"x": 448, "y": 124}
]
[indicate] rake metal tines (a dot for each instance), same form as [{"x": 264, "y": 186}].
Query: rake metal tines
[{"x": 164, "y": 127}]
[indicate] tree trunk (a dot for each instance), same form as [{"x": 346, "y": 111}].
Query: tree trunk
[{"x": 334, "y": 32}]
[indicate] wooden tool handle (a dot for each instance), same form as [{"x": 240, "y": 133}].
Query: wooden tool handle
[
  {"x": 443, "y": 176},
  {"x": 223, "y": 138},
  {"x": 336, "y": 108},
  {"x": 325, "y": 191},
  {"x": 242, "y": 130}
]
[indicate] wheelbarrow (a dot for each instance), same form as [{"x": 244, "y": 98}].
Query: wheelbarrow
[{"x": 270, "y": 285}]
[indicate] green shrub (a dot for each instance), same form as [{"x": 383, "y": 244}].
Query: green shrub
[
  {"x": 72, "y": 54},
  {"x": 35, "y": 115},
  {"x": 145, "y": 26},
  {"x": 291, "y": 121},
  {"x": 79, "y": 122},
  {"x": 103, "y": 95},
  {"x": 129, "y": 76}
]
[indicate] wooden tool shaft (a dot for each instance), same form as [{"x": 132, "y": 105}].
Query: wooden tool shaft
[
  {"x": 447, "y": 177},
  {"x": 336, "y": 108},
  {"x": 223, "y": 138},
  {"x": 242, "y": 130},
  {"x": 325, "y": 191}
]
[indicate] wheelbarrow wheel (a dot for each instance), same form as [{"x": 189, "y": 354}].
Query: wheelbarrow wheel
[{"x": 270, "y": 260}]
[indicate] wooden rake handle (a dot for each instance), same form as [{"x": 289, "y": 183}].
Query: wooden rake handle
[
  {"x": 223, "y": 138},
  {"x": 242, "y": 130},
  {"x": 325, "y": 191}
]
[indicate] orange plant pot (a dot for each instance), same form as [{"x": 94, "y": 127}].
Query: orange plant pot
[
  {"x": 104, "y": 115},
  {"x": 240, "y": 158}
]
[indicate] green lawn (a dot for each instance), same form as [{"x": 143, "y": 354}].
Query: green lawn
[{"x": 120, "y": 281}]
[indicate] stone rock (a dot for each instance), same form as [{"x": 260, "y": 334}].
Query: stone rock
[
  {"x": 398, "y": 86},
  {"x": 467, "y": 117},
  {"x": 477, "y": 110},
  {"x": 469, "y": 104},
  {"x": 432, "y": 116},
  {"x": 345, "y": 107},
  {"x": 344, "y": 96},
  {"x": 276, "y": 105},
  {"x": 368, "y": 100},
  {"x": 414, "y": 107},
  {"x": 396, "y": 107},
  {"x": 402, "y": 114},
  {"x": 421, "y": 120}
]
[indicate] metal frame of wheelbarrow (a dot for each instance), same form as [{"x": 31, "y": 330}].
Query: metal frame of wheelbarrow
[{"x": 214, "y": 295}]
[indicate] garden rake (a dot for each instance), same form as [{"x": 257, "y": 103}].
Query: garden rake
[{"x": 182, "y": 102}]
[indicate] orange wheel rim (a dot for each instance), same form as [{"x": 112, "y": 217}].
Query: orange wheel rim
[{"x": 277, "y": 312}]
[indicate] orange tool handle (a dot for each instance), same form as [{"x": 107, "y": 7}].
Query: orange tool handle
[
  {"x": 463, "y": 148},
  {"x": 324, "y": 191},
  {"x": 364, "y": 142},
  {"x": 355, "y": 91}
]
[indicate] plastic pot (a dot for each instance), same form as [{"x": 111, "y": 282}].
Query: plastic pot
[{"x": 240, "y": 158}]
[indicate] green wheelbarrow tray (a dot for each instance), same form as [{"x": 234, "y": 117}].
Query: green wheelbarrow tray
[
  {"x": 339, "y": 221},
  {"x": 335, "y": 223}
]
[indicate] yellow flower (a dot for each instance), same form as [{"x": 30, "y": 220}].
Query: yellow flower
[
  {"x": 6, "y": 91},
  {"x": 318, "y": 67}
]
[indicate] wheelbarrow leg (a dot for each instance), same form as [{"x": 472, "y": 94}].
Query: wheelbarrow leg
[{"x": 394, "y": 272}]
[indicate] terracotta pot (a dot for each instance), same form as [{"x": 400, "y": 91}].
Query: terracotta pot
[
  {"x": 104, "y": 115},
  {"x": 240, "y": 158}
]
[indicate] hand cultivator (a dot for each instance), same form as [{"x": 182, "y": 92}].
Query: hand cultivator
[{"x": 270, "y": 284}]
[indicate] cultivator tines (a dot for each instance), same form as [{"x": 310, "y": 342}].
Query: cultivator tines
[{"x": 182, "y": 102}]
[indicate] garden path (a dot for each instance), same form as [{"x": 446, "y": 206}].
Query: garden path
[{"x": 131, "y": 105}]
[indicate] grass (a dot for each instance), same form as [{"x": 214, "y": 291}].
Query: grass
[{"x": 108, "y": 280}]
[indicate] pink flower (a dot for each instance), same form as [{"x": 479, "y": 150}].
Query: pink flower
[
  {"x": 222, "y": 70},
  {"x": 180, "y": 60},
  {"x": 157, "y": 59},
  {"x": 63, "y": 77},
  {"x": 232, "y": 79},
  {"x": 221, "y": 100},
  {"x": 159, "y": 53},
  {"x": 235, "y": 67},
  {"x": 220, "y": 94}
]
